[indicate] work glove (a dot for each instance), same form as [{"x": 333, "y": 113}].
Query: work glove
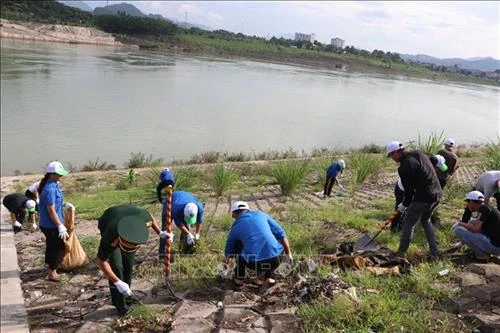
[
  {"x": 37, "y": 201},
  {"x": 197, "y": 236},
  {"x": 454, "y": 226},
  {"x": 222, "y": 270},
  {"x": 123, "y": 288},
  {"x": 401, "y": 208},
  {"x": 34, "y": 226},
  {"x": 190, "y": 239},
  {"x": 69, "y": 205},
  {"x": 289, "y": 258},
  {"x": 63, "y": 232},
  {"x": 18, "y": 224},
  {"x": 168, "y": 235}
]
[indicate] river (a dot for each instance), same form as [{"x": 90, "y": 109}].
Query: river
[{"x": 76, "y": 103}]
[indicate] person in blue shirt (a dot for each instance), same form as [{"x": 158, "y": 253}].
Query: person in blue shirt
[
  {"x": 187, "y": 213},
  {"x": 166, "y": 178},
  {"x": 332, "y": 173},
  {"x": 51, "y": 217},
  {"x": 256, "y": 241}
]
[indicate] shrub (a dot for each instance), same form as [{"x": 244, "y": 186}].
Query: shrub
[
  {"x": 139, "y": 160},
  {"x": 432, "y": 144},
  {"x": 97, "y": 165},
  {"x": 491, "y": 159},
  {"x": 223, "y": 179},
  {"x": 289, "y": 175},
  {"x": 363, "y": 166}
]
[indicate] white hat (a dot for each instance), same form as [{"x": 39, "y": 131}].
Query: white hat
[
  {"x": 31, "y": 204},
  {"x": 238, "y": 205},
  {"x": 190, "y": 212},
  {"x": 56, "y": 167},
  {"x": 441, "y": 163},
  {"x": 474, "y": 196},
  {"x": 341, "y": 162},
  {"x": 449, "y": 142},
  {"x": 393, "y": 146}
]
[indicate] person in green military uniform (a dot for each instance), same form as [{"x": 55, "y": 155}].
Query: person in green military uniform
[{"x": 123, "y": 229}]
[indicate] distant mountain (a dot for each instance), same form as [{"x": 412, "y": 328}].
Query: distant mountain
[
  {"x": 121, "y": 7},
  {"x": 76, "y": 4},
  {"x": 487, "y": 64}
]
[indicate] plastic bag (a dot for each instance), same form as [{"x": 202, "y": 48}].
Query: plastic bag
[{"x": 74, "y": 256}]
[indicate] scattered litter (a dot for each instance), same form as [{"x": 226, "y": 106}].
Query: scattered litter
[
  {"x": 444, "y": 272},
  {"x": 351, "y": 292}
]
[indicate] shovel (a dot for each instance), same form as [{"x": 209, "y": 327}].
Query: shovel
[{"x": 366, "y": 242}]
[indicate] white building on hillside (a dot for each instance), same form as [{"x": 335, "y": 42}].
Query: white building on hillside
[
  {"x": 337, "y": 42},
  {"x": 305, "y": 37}
]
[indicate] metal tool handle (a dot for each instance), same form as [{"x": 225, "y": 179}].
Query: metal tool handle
[{"x": 168, "y": 217}]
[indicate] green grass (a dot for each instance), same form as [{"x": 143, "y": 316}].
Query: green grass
[
  {"x": 289, "y": 175},
  {"x": 491, "y": 159},
  {"x": 432, "y": 143},
  {"x": 363, "y": 166},
  {"x": 90, "y": 245},
  {"x": 223, "y": 179}
]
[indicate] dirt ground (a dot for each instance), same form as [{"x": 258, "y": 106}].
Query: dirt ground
[{"x": 81, "y": 303}]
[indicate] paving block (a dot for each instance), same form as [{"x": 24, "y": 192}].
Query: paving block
[
  {"x": 487, "y": 292},
  {"x": 191, "y": 309},
  {"x": 487, "y": 323},
  {"x": 92, "y": 327},
  {"x": 469, "y": 279},
  {"x": 460, "y": 304},
  {"x": 485, "y": 269},
  {"x": 192, "y": 325}
]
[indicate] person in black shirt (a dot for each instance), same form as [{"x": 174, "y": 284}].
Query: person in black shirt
[
  {"x": 482, "y": 234},
  {"x": 422, "y": 194},
  {"x": 17, "y": 204}
]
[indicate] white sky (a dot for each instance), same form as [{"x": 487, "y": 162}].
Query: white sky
[{"x": 441, "y": 29}]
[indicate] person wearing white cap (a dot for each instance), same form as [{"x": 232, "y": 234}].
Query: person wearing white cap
[
  {"x": 51, "y": 217},
  {"x": 422, "y": 193},
  {"x": 17, "y": 204},
  {"x": 489, "y": 183},
  {"x": 333, "y": 172},
  {"x": 187, "y": 213},
  {"x": 255, "y": 241},
  {"x": 482, "y": 235},
  {"x": 450, "y": 159},
  {"x": 32, "y": 192}
]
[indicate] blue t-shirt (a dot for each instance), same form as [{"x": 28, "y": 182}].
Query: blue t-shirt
[
  {"x": 257, "y": 235},
  {"x": 51, "y": 195},
  {"x": 179, "y": 200},
  {"x": 333, "y": 170}
]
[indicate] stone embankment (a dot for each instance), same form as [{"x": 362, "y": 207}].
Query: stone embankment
[{"x": 33, "y": 31}]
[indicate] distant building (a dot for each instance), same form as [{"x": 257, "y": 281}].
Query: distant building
[
  {"x": 337, "y": 42},
  {"x": 305, "y": 37}
]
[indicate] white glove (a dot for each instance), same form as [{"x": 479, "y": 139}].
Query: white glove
[
  {"x": 168, "y": 235},
  {"x": 189, "y": 239},
  {"x": 63, "y": 232},
  {"x": 18, "y": 224},
  {"x": 34, "y": 226},
  {"x": 289, "y": 258},
  {"x": 455, "y": 225},
  {"x": 401, "y": 208},
  {"x": 69, "y": 205},
  {"x": 123, "y": 288},
  {"x": 37, "y": 201},
  {"x": 197, "y": 236}
]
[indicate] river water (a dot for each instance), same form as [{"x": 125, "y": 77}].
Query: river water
[{"x": 76, "y": 103}]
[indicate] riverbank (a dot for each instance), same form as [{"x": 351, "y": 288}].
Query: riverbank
[
  {"x": 57, "y": 33},
  {"x": 184, "y": 43}
]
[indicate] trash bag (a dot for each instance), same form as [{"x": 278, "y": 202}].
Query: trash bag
[{"x": 74, "y": 256}]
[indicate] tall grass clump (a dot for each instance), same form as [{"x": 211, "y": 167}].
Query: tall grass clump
[
  {"x": 97, "y": 164},
  {"x": 139, "y": 160},
  {"x": 223, "y": 179},
  {"x": 290, "y": 175},
  {"x": 432, "y": 144},
  {"x": 491, "y": 158},
  {"x": 363, "y": 166}
]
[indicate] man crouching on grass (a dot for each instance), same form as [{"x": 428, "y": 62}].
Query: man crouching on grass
[
  {"x": 123, "y": 229},
  {"x": 256, "y": 241}
]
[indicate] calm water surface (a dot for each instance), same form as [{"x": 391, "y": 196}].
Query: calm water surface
[{"x": 77, "y": 103}]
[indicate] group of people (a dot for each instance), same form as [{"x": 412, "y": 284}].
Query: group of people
[
  {"x": 419, "y": 192},
  {"x": 255, "y": 240}
]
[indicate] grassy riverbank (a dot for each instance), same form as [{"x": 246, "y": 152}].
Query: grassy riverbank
[{"x": 315, "y": 226}]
